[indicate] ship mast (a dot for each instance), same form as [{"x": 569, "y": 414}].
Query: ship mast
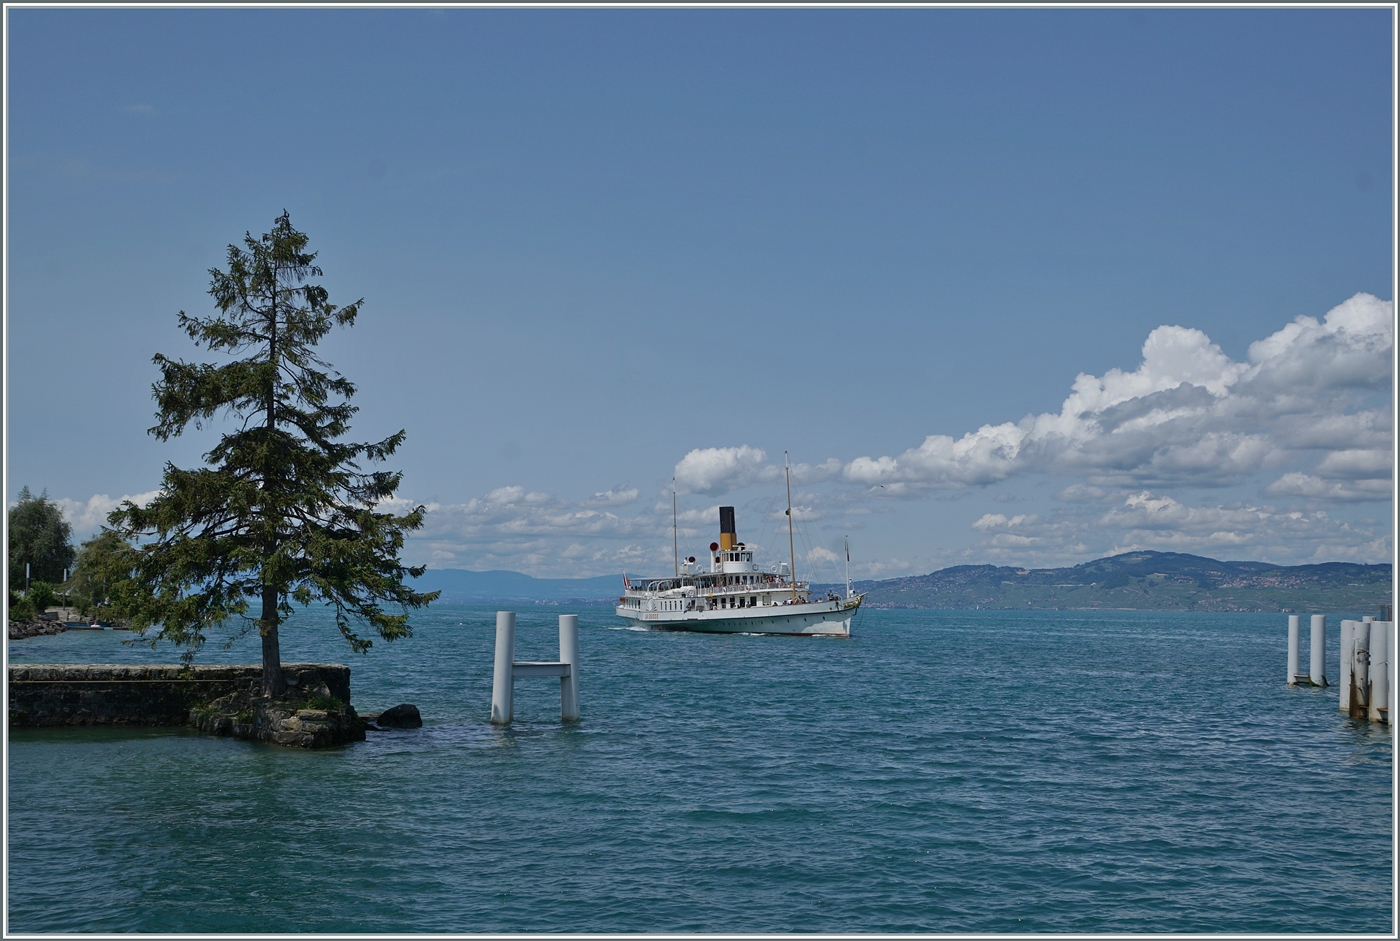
[
  {"x": 792, "y": 553},
  {"x": 675, "y": 538},
  {"x": 848, "y": 566}
]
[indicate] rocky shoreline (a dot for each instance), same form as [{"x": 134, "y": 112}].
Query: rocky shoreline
[
  {"x": 217, "y": 700},
  {"x": 19, "y": 630},
  {"x": 316, "y": 721}
]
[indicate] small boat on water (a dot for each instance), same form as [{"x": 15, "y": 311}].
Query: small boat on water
[{"x": 734, "y": 594}]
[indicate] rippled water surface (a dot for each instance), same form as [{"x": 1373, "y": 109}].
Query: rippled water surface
[{"x": 938, "y": 772}]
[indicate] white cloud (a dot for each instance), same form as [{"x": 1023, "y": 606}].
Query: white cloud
[
  {"x": 1367, "y": 428},
  {"x": 618, "y": 496},
  {"x": 884, "y": 568},
  {"x": 1133, "y": 448},
  {"x": 1315, "y": 488},
  {"x": 86, "y": 518},
  {"x": 1349, "y": 348},
  {"x": 1147, "y": 520},
  {"x": 1357, "y": 463},
  {"x": 1187, "y": 415},
  {"x": 812, "y": 473},
  {"x": 540, "y": 534},
  {"x": 984, "y": 456},
  {"x": 716, "y": 471}
]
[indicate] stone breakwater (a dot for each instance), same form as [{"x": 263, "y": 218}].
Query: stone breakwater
[
  {"x": 218, "y": 700},
  {"x": 19, "y": 630}
]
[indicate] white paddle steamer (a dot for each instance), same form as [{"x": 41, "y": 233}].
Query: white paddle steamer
[{"x": 733, "y": 594}]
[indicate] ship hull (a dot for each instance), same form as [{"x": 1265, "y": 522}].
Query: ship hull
[{"x": 825, "y": 618}]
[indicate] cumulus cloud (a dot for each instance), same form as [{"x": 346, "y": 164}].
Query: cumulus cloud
[
  {"x": 1357, "y": 463},
  {"x": 1298, "y": 428},
  {"x": 1187, "y": 415},
  {"x": 541, "y": 534},
  {"x": 1128, "y": 521},
  {"x": 618, "y": 496},
  {"x": 1297, "y": 484},
  {"x": 984, "y": 456},
  {"x": 1028, "y": 536},
  {"x": 88, "y": 517},
  {"x": 814, "y": 473},
  {"x": 716, "y": 471}
]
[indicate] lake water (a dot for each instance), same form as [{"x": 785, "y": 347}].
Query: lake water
[{"x": 978, "y": 771}]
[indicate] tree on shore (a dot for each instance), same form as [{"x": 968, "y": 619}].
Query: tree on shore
[
  {"x": 40, "y": 537},
  {"x": 283, "y": 511},
  {"x": 104, "y": 565}
]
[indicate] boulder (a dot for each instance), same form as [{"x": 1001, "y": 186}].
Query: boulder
[
  {"x": 248, "y": 715},
  {"x": 19, "y": 630},
  {"x": 403, "y": 716}
]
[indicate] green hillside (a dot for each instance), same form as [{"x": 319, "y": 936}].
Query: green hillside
[{"x": 1164, "y": 581}]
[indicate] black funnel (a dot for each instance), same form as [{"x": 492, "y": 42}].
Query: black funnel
[{"x": 726, "y": 520}]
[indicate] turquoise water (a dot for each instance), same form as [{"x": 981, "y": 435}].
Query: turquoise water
[{"x": 939, "y": 772}]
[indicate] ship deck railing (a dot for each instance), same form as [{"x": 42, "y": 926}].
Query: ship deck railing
[{"x": 651, "y": 588}]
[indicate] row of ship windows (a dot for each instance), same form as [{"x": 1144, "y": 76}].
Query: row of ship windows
[
  {"x": 750, "y": 601},
  {"x": 745, "y": 579}
]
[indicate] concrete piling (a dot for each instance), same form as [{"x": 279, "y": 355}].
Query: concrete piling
[
  {"x": 1378, "y": 695},
  {"x": 1317, "y": 669},
  {"x": 508, "y": 668},
  {"x": 1360, "y": 669},
  {"x": 1366, "y": 667},
  {"x": 1390, "y": 671},
  {"x": 503, "y": 683},
  {"x": 568, "y": 655},
  {"x": 1293, "y": 649},
  {"x": 1346, "y": 654}
]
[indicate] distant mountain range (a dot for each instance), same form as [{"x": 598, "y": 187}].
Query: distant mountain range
[{"x": 1162, "y": 581}]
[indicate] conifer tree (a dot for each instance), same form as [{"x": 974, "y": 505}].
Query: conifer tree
[
  {"x": 283, "y": 512},
  {"x": 39, "y": 537}
]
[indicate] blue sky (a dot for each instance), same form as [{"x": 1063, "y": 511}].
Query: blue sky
[{"x": 599, "y": 248}]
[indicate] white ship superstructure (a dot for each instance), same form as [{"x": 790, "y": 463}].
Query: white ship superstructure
[{"x": 733, "y": 594}]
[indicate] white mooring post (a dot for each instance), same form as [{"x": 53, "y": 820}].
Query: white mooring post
[
  {"x": 503, "y": 683},
  {"x": 568, "y": 655},
  {"x": 1378, "y": 696},
  {"x": 1390, "y": 672},
  {"x": 1346, "y": 652},
  {"x": 1293, "y": 648},
  {"x": 508, "y": 668},
  {"x": 1317, "y": 669},
  {"x": 1360, "y": 669},
  {"x": 1344, "y": 665}
]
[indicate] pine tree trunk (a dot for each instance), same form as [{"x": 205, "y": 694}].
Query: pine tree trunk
[{"x": 273, "y": 683}]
